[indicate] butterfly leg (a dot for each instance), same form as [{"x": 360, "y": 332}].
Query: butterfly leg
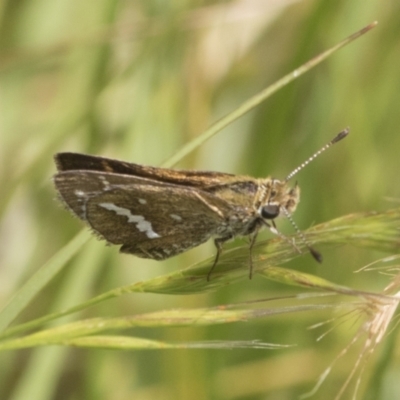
[
  {"x": 220, "y": 241},
  {"x": 218, "y": 244},
  {"x": 253, "y": 238}
]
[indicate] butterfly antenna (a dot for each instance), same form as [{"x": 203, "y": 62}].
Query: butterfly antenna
[
  {"x": 341, "y": 135},
  {"x": 316, "y": 254}
]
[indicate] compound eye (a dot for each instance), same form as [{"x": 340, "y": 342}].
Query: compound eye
[{"x": 270, "y": 211}]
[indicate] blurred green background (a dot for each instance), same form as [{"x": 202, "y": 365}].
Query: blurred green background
[{"x": 135, "y": 80}]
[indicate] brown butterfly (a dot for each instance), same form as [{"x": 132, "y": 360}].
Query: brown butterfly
[{"x": 158, "y": 213}]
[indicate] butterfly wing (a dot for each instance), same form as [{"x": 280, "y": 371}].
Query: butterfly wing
[{"x": 149, "y": 218}]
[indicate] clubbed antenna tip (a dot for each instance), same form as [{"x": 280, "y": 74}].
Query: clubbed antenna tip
[
  {"x": 316, "y": 254},
  {"x": 340, "y": 135}
]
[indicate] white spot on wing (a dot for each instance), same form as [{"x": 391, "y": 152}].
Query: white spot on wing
[
  {"x": 105, "y": 182},
  {"x": 79, "y": 193},
  {"x": 82, "y": 198},
  {"x": 176, "y": 217},
  {"x": 142, "y": 201},
  {"x": 139, "y": 220}
]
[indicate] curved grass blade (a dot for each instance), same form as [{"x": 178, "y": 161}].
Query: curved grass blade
[
  {"x": 254, "y": 101},
  {"x": 69, "y": 332}
]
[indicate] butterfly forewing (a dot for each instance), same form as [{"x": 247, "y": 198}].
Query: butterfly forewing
[{"x": 84, "y": 162}]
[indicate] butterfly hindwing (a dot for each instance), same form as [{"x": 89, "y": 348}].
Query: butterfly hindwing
[{"x": 148, "y": 218}]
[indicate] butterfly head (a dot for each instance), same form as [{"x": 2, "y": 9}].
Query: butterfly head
[{"x": 278, "y": 196}]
